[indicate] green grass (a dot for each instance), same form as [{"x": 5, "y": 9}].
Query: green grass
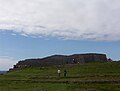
[
  {"x": 28, "y": 79},
  {"x": 24, "y": 86}
]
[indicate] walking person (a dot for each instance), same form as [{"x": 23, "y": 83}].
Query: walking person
[
  {"x": 65, "y": 73},
  {"x": 58, "y": 73}
]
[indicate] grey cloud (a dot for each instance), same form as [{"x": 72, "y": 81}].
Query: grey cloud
[{"x": 67, "y": 19}]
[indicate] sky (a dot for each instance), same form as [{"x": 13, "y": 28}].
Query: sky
[{"x": 39, "y": 28}]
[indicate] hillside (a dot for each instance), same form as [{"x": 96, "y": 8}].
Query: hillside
[{"x": 104, "y": 76}]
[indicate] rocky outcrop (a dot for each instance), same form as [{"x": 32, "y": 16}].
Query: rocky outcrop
[{"x": 62, "y": 60}]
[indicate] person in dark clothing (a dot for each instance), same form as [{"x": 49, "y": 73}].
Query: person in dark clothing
[{"x": 65, "y": 73}]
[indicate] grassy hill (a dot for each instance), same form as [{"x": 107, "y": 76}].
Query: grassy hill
[{"x": 81, "y": 77}]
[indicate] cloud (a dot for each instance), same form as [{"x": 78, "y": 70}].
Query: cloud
[
  {"x": 67, "y": 19},
  {"x": 6, "y": 63}
]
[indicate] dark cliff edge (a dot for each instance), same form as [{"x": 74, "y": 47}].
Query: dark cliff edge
[{"x": 62, "y": 60}]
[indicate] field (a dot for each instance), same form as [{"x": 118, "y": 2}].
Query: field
[{"x": 80, "y": 77}]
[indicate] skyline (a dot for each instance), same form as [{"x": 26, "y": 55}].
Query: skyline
[{"x": 40, "y": 28}]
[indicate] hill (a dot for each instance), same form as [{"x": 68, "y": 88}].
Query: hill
[{"x": 95, "y": 76}]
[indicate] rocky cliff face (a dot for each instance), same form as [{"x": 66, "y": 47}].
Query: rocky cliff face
[{"x": 62, "y": 60}]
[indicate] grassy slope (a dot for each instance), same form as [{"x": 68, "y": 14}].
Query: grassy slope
[{"x": 23, "y": 80}]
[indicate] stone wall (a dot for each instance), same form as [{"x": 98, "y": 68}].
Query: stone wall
[{"x": 62, "y": 60}]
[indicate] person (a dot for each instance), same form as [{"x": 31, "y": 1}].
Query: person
[
  {"x": 58, "y": 73},
  {"x": 65, "y": 73}
]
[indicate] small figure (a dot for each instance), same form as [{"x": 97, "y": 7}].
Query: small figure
[
  {"x": 58, "y": 73},
  {"x": 65, "y": 73}
]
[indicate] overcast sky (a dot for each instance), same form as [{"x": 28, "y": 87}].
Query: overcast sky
[{"x": 65, "y": 20}]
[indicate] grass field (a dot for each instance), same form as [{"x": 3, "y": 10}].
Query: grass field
[{"x": 78, "y": 77}]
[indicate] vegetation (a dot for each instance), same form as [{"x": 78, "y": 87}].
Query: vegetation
[{"x": 46, "y": 78}]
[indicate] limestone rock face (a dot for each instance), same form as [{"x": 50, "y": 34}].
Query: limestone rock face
[{"x": 62, "y": 60}]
